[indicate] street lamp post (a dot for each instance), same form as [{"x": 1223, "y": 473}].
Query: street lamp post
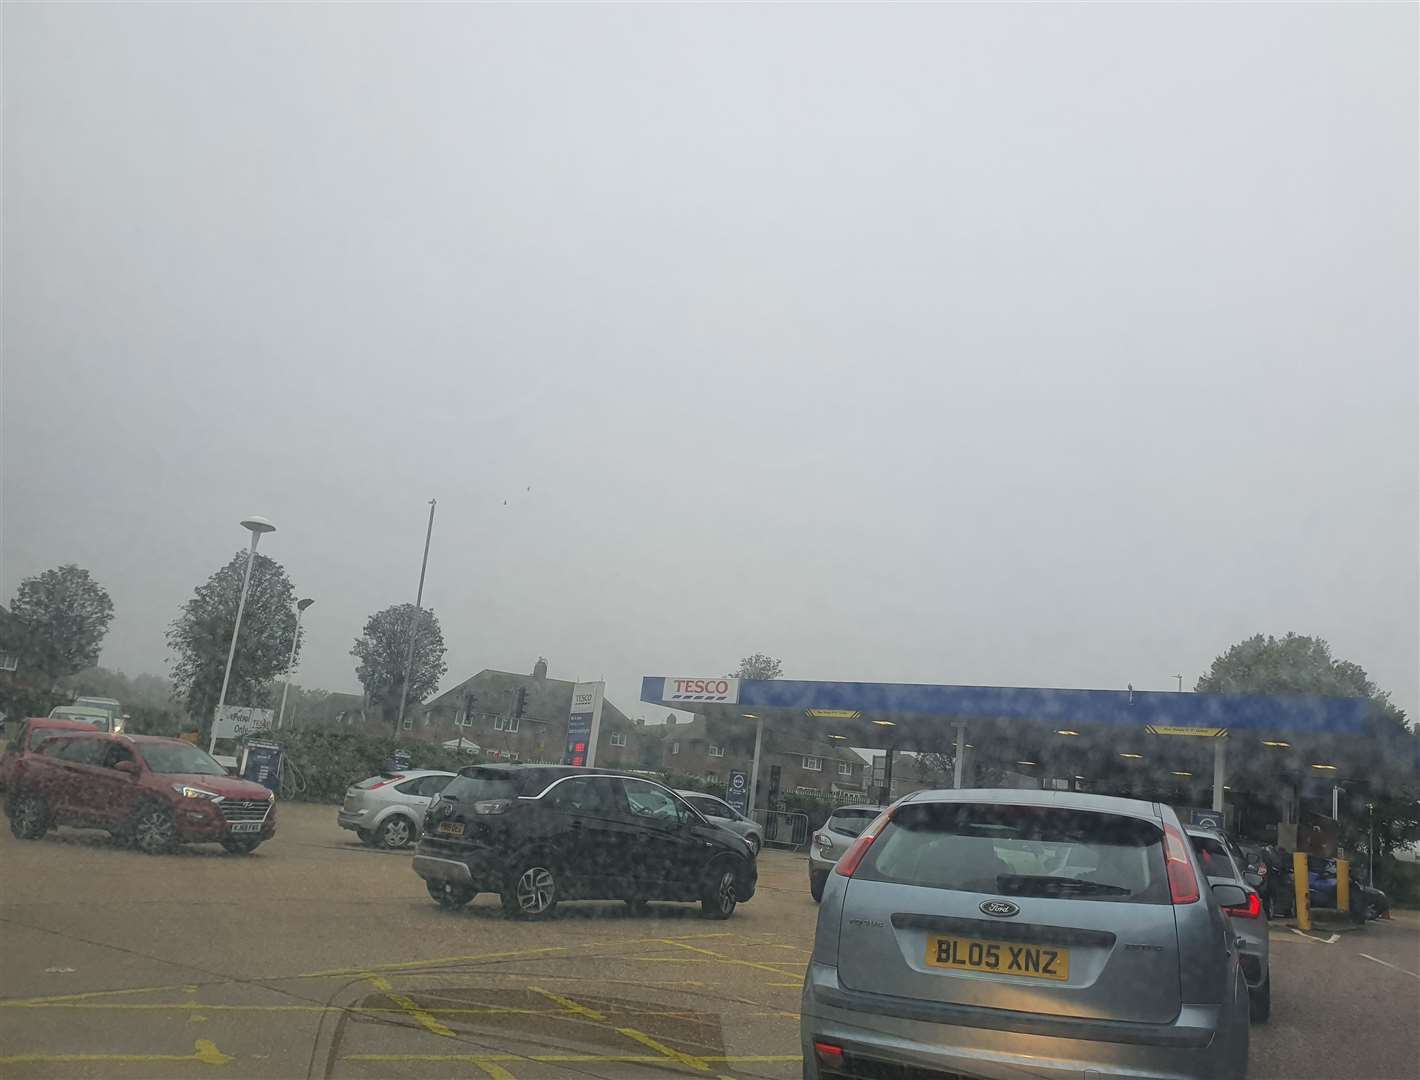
[
  {"x": 414, "y": 627},
  {"x": 301, "y": 606},
  {"x": 256, "y": 526}
]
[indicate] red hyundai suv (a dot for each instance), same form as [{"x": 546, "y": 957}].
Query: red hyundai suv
[
  {"x": 25, "y": 744},
  {"x": 151, "y": 792}
]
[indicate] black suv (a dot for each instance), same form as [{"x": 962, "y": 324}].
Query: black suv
[{"x": 537, "y": 834}]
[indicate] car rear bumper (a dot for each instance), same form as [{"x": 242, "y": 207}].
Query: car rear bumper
[
  {"x": 879, "y": 1033},
  {"x": 353, "y": 819},
  {"x": 477, "y": 867}
]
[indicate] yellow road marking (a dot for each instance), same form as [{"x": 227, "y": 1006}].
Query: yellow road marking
[
  {"x": 90, "y": 994},
  {"x": 728, "y": 959},
  {"x": 495, "y": 1072},
  {"x": 568, "y": 1004},
  {"x": 664, "y": 1050},
  {"x": 202, "y": 1051},
  {"x": 585, "y": 1059},
  {"x": 405, "y": 1002},
  {"x": 445, "y": 961}
]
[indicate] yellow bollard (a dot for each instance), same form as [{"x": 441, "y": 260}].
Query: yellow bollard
[
  {"x": 1343, "y": 885},
  {"x": 1299, "y": 879}
]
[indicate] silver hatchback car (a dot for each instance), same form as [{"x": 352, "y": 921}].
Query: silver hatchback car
[
  {"x": 388, "y": 810},
  {"x": 1001, "y": 934},
  {"x": 1220, "y": 866},
  {"x": 830, "y": 842}
]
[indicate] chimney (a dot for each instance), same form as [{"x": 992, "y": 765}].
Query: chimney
[{"x": 540, "y": 668}]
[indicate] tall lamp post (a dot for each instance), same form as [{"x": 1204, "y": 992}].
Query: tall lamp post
[
  {"x": 256, "y": 526},
  {"x": 301, "y": 606}
]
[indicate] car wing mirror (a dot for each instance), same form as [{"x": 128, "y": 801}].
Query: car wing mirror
[
  {"x": 129, "y": 767},
  {"x": 1253, "y": 878},
  {"x": 1230, "y": 895}
]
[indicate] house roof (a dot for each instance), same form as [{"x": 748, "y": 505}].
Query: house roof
[{"x": 548, "y": 699}]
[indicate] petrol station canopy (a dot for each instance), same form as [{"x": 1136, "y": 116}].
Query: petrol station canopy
[{"x": 1113, "y": 736}]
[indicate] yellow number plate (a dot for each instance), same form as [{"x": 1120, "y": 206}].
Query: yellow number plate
[
  {"x": 451, "y": 828},
  {"x": 998, "y": 957}
]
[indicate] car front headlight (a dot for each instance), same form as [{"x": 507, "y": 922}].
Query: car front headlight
[{"x": 187, "y": 791}]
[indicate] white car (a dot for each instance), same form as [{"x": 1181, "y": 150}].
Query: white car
[{"x": 388, "y": 810}]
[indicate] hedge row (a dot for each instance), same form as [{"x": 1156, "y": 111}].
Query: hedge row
[{"x": 321, "y": 764}]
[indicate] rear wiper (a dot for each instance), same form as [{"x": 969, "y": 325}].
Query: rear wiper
[{"x": 1043, "y": 885}]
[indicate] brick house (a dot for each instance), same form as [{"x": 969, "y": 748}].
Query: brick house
[
  {"x": 710, "y": 750},
  {"x": 481, "y": 709}
]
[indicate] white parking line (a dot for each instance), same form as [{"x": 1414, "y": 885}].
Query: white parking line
[
  {"x": 1332, "y": 940},
  {"x": 1387, "y": 963}
]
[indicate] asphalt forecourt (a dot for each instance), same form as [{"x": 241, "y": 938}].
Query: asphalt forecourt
[{"x": 318, "y": 957}]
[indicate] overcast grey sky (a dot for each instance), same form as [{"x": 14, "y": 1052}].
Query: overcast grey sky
[{"x": 1032, "y": 345}]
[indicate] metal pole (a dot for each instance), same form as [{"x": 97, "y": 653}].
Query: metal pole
[
  {"x": 414, "y": 627},
  {"x": 290, "y": 663},
  {"x": 754, "y": 765},
  {"x": 1220, "y": 771},
  {"x": 961, "y": 753},
  {"x": 1180, "y": 681},
  {"x": 236, "y": 629},
  {"x": 1335, "y": 802},
  {"x": 1371, "y": 845}
]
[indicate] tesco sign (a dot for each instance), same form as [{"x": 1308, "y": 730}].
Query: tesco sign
[{"x": 712, "y": 689}]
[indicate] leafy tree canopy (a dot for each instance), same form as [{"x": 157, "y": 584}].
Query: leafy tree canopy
[
  {"x": 383, "y": 648},
  {"x": 200, "y": 636},
  {"x": 759, "y": 666},
  {"x": 62, "y": 615}
]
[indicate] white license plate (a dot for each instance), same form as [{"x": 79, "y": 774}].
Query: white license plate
[{"x": 246, "y": 826}]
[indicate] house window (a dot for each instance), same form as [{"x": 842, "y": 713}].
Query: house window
[
  {"x": 9, "y": 662},
  {"x": 716, "y": 751},
  {"x": 675, "y": 748},
  {"x": 618, "y": 738},
  {"x": 813, "y": 764},
  {"x": 845, "y": 768},
  {"x": 505, "y": 723}
]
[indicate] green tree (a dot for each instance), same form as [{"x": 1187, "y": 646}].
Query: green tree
[
  {"x": 63, "y": 615},
  {"x": 200, "y": 636},
  {"x": 1298, "y": 664},
  {"x": 759, "y": 666},
  {"x": 382, "y": 650}
]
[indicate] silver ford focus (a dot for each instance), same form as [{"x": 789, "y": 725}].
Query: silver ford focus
[{"x": 1011, "y": 934}]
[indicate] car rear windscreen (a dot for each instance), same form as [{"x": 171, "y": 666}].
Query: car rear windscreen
[
  {"x": 475, "y": 785},
  {"x": 1213, "y": 857},
  {"x": 1020, "y": 851},
  {"x": 851, "y": 822}
]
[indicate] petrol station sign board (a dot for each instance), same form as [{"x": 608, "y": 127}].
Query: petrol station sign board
[
  {"x": 583, "y": 723},
  {"x": 695, "y": 688}
]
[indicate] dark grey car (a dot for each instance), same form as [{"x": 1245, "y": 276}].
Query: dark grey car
[{"x": 1009, "y": 933}]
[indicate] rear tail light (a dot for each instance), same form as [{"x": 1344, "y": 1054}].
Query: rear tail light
[
  {"x": 1252, "y": 910},
  {"x": 1183, "y": 882},
  {"x": 829, "y": 1056},
  {"x": 854, "y": 855}
]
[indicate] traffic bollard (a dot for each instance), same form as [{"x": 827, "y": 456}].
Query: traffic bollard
[
  {"x": 1299, "y": 880},
  {"x": 1343, "y": 885}
]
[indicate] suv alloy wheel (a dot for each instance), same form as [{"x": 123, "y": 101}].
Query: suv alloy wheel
[
  {"x": 531, "y": 892},
  {"x": 29, "y": 816}
]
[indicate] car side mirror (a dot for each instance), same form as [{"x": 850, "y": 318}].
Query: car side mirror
[
  {"x": 129, "y": 767},
  {"x": 1253, "y": 879},
  {"x": 1230, "y": 895}
]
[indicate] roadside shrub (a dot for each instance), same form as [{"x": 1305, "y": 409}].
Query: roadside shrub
[
  {"x": 1400, "y": 881},
  {"x": 322, "y": 763}
]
